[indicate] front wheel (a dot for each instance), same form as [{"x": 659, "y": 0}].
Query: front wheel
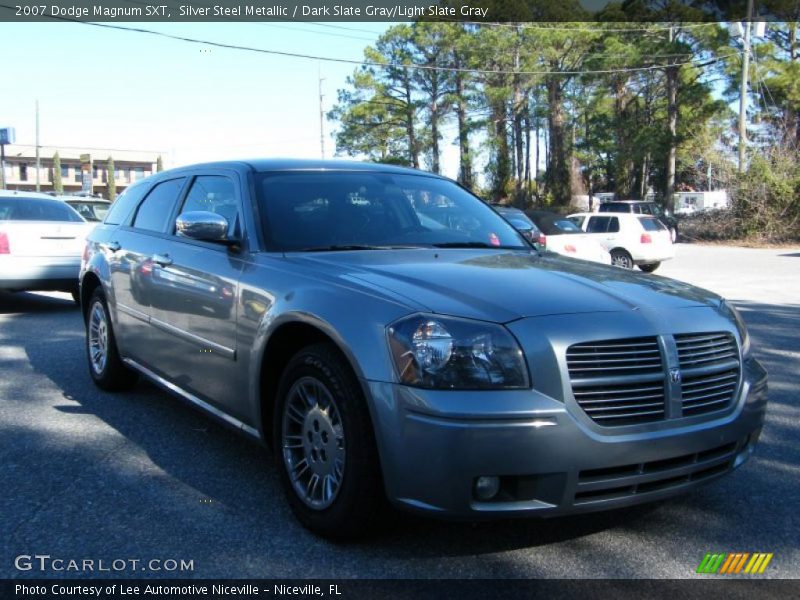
[
  {"x": 620, "y": 258},
  {"x": 105, "y": 366},
  {"x": 325, "y": 446},
  {"x": 650, "y": 268}
]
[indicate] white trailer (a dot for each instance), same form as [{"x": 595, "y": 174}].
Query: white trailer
[{"x": 689, "y": 203}]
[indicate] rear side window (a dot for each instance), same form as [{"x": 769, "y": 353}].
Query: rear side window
[
  {"x": 613, "y": 225},
  {"x": 35, "y": 209},
  {"x": 651, "y": 224},
  {"x": 217, "y": 194},
  {"x": 123, "y": 206},
  {"x": 154, "y": 213},
  {"x": 615, "y": 207},
  {"x": 598, "y": 224}
]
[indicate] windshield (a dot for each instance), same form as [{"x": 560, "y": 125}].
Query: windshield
[{"x": 355, "y": 210}]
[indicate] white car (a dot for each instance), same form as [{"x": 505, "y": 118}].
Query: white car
[
  {"x": 631, "y": 239},
  {"x": 41, "y": 243},
  {"x": 562, "y": 236}
]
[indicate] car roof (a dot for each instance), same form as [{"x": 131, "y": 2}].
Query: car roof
[
  {"x": 301, "y": 164},
  {"x": 23, "y": 194}
]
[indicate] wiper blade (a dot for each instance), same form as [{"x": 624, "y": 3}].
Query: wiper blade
[
  {"x": 343, "y": 247},
  {"x": 340, "y": 247},
  {"x": 476, "y": 245}
]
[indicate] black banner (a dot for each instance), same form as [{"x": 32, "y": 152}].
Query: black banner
[
  {"x": 417, "y": 589},
  {"x": 467, "y": 11}
]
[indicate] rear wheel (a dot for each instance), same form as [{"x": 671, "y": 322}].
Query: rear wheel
[
  {"x": 621, "y": 258},
  {"x": 673, "y": 234},
  {"x": 650, "y": 268},
  {"x": 105, "y": 366},
  {"x": 325, "y": 446}
]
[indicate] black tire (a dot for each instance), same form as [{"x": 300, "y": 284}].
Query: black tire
[
  {"x": 650, "y": 268},
  {"x": 357, "y": 502},
  {"x": 76, "y": 295},
  {"x": 112, "y": 375},
  {"x": 621, "y": 258}
]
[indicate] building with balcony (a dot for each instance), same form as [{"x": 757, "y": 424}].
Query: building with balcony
[{"x": 20, "y": 168}]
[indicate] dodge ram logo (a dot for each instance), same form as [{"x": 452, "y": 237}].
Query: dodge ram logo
[{"x": 675, "y": 375}]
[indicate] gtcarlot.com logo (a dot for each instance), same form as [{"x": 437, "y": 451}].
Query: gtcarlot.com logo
[
  {"x": 48, "y": 563},
  {"x": 735, "y": 563}
]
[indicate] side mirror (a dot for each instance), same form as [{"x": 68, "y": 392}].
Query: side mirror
[{"x": 202, "y": 225}]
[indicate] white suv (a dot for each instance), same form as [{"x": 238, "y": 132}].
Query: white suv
[{"x": 630, "y": 239}]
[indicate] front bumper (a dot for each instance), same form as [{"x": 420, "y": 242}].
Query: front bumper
[{"x": 435, "y": 444}]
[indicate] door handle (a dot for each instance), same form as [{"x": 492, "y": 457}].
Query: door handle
[
  {"x": 111, "y": 246},
  {"x": 162, "y": 260}
]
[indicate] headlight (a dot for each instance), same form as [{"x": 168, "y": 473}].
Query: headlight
[
  {"x": 456, "y": 354},
  {"x": 730, "y": 311}
]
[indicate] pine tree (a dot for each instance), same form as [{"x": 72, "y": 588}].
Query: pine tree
[
  {"x": 58, "y": 185},
  {"x": 111, "y": 180}
]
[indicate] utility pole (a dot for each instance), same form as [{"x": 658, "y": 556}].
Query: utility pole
[
  {"x": 38, "y": 159},
  {"x": 743, "y": 91},
  {"x": 321, "y": 117}
]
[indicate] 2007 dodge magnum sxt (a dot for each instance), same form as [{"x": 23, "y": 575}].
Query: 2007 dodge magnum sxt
[{"x": 391, "y": 336}]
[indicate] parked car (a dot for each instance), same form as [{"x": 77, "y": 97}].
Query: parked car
[
  {"x": 92, "y": 209},
  {"x": 41, "y": 241},
  {"x": 562, "y": 236},
  {"x": 643, "y": 207},
  {"x": 521, "y": 222},
  {"x": 453, "y": 370},
  {"x": 631, "y": 240}
]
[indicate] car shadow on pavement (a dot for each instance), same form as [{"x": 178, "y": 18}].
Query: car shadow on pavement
[
  {"x": 27, "y": 302},
  {"x": 202, "y": 460}
]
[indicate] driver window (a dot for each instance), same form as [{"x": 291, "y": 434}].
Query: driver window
[{"x": 216, "y": 194}]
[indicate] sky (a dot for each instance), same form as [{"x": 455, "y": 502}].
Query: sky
[{"x": 105, "y": 88}]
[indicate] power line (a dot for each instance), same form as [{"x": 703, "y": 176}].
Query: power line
[
  {"x": 377, "y": 64},
  {"x": 596, "y": 28}
]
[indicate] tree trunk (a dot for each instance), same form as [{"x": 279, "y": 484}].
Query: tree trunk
[
  {"x": 465, "y": 161},
  {"x": 527, "y": 152},
  {"x": 502, "y": 167},
  {"x": 413, "y": 146},
  {"x": 435, "y": 137},
  {"x": 558, "y": 168},
  {"x": 672, "y": 123}
]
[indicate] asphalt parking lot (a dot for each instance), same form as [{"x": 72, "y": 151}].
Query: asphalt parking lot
[{"x": 140, "y": 475}]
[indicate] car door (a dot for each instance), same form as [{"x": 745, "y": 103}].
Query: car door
[
  {"x": 194, "y": 299},
  {"x": 132, "y": 249}
]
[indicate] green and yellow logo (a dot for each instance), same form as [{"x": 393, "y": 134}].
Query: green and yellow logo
[{"x": 735, "y": 563}]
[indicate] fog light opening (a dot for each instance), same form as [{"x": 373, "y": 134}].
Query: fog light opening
[{"x": 487, "y": 487}]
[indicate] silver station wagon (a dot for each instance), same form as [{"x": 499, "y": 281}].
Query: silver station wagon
[{"x": 392, "y": 338}]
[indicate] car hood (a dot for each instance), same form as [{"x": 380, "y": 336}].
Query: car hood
[{"x": 503, "y": 286}]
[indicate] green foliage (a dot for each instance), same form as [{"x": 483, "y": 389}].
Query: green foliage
[
  {"x": 58, "y": 184},
  {"x": 629, "y": 107},
  {"x": 766, "y": 198}
]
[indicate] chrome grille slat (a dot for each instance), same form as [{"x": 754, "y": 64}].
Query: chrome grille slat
[
  {"x": 585, "y": 401},
  {"x": 603, "y": 410},
  {"x": 712, "y": 390},
  {"x": 618, "y": 382}
]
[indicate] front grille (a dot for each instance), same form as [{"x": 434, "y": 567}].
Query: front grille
[
  {"x": 618, "y": 382},
  {"x": 710, "y": 371},
  {"x": 610, "y": 483},
  {"x": 623, "y": 382}
]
